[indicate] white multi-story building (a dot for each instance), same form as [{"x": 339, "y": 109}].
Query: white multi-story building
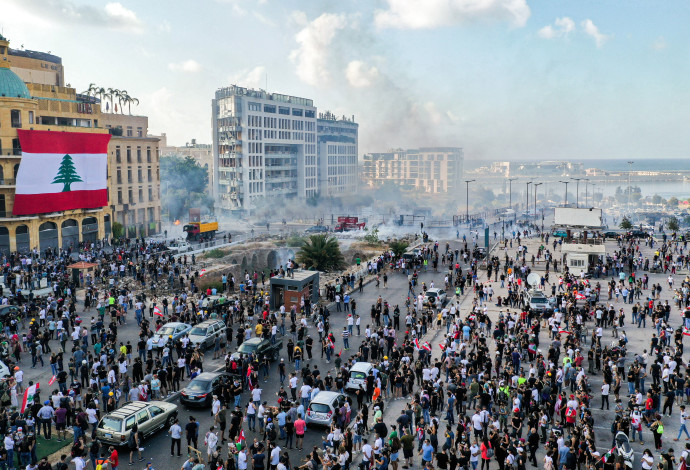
[
  {"x": 264, "y": 145},
  {"x": 337, "y": 152}
]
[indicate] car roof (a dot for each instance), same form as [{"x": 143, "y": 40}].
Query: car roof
[
  {"x": 175, "y": 323},
  {"x": 128, "y": 409},
  {"x": 433, "y": 289},
  {"x": 326, "y": 397},
  {"x": 209, "y": 375},
  {"x": 252, "y": 341},
  {"x": 361, "y": 366},
  {"x": 208, "y": 323}
]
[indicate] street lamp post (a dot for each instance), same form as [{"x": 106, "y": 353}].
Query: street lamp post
[
  {"x": 467, "y": 201},
  {"x": 535, "y": 199},
  {"x": 510, "y": 197},
  {"x": 586, "y": 191},
  {"x": 577, "y": 191},
  {"x": 629, "y": 187},
  {"x": 566, "y": 190},
  {"x": 527, "y": 198}
]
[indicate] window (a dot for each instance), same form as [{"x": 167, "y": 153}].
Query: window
[
  {"x": 31, "y": 117},
  {"x": 155, "y": 411},
  {"x": 254, "y": 106},
  {"x": 148, "y": 154},
  {"x": 129, "y": 155},
  {"x": 140, "y": 132},
  {"x": 16, "y": 118},
  {"x": 141, "y": 194},
  {"x": 129, "y": 176},
  {"x": 150, "y": 193},
  {"x": 577, "y": 263},
  {"x": 129, "y": 131},
  {"x": 119, "y": 176},
  {"x": 269, "y": 108},
  {"x": 283, "y": 110},
  {"x": 309, "y": 113},
  {"x": 131, "y": 196},
  {"x": 296, "y": 112},
  {"x": 148, "y": 173},
  {"x": 140, "y": 178},
  {"x": 119, "y": 196},
  {"x": 142, "y": 417},
  {"x": 138, "y": 154},
  {"x": 118, "y": 158},
  {"x": 129, "y": 424}
]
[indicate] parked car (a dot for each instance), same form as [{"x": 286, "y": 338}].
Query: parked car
[
  {"x": 437, "y": 295},
  {"x": 8, "y": 311},
  {"x": 179, "y": 247},
  {"x": 259, "y": 347},
  {"x": 317, "y": 229},
  {"x": 175, "y": 329},
  {"x": 537, "y": 301},
  {"x": 322, "y": 407},
  {"x": 204, "y": 334},
  {"x": 200, "y": 391},
  {"x": 115, "y": 427}
]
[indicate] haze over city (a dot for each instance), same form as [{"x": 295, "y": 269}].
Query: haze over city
[{"x": 504, "y": 79}]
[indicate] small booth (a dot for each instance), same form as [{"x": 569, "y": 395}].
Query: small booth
[
  {"x": 80, "y": 270},
  {"x": 583, "y": 256},
  {"x": 290, "y": 290}
]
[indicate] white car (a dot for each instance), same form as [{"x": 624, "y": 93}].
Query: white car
[
  {"x": 180, "y": 247},
  {"x": 358, "y": 375},
  {"x": 437, "y": 295}
]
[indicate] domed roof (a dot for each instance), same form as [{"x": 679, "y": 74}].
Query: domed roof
[{"x": 11, "y": 86}]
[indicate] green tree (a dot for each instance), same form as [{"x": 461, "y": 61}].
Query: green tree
[
  {"x": 398, "y": 247},
  {"x": 673, "y": 201},
  {"x": 372, "y": 236},
  {"x": 673, "y": 224},
  {"x": 67, "y": 174},
  {"x": 626, "y": 224},
  {"x": 118, "y": 230},
  {"x": 184, "y": 184},
  {"x": 321, "y": 252}
]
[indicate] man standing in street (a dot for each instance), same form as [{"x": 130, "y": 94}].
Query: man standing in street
[
  {"x": 175, "y": 432},
  {"x": 45, "y": 416}
]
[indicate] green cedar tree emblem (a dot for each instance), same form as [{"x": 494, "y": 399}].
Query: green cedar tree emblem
[{"x": 67, "y": 174}]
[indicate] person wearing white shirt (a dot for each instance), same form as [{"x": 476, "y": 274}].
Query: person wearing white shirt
[
  {"x": 242, "y": 460},
  {"x": 175, "y": 432},
  {"x": 211, "y": 441},
  {"x": 275, "y": 456}
]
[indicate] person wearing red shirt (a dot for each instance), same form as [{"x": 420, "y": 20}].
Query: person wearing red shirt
[
  {"x": 114, "y": 459},
  {"x": 300, "y": 426}
]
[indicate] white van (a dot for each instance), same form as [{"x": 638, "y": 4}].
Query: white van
[{"x": 358, "y": 375}]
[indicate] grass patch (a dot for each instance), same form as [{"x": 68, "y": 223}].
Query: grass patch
[
  {"x": 216, "y": 253},
  {"x": 45, "y": 448}
]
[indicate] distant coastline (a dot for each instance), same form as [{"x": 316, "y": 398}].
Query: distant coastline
[{"x": 612, "y": 164}]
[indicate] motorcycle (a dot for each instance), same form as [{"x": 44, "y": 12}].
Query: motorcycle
[{"x": 624, "y": 450}]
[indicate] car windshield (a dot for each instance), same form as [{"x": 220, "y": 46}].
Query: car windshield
[
  {"x": 166, "y": 330},
  {"x": 198, "y": 331},
  {"x": 357, "y": 375},
  {"x": 319, "y": 407},
  {"x": 538, "y": 300},
  {"x": 110, "y": 424},
  {"x": 198, "y": 386},
  {"x": 246, "y": 348}
]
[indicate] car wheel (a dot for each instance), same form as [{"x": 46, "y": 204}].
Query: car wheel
[{"x": 169, "y": 422}]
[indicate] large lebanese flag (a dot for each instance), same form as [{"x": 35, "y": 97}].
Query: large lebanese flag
[{"x": 60, "y": 171}]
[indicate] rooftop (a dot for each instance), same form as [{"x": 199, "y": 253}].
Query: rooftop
[
  {"x": 234, "y": 90},
  {"x": 45, "y": 56}
]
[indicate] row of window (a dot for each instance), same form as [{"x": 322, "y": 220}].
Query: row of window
[
  {"x": 130, "y": 196},
  {"x": 284, "y": 110},
  {"x": 140, "y": 175},
  {"x": 118, "y": 154},
  {"x": 342, "y": 160},
  {"x": 342, "y": 150}
]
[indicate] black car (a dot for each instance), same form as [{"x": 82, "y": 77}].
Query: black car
[
  {"x": 9, "y": 311},
  {"x": 317, "y": 229},
  {"x": 259, "y": 348},
  {"x": 200, "y": 391}
]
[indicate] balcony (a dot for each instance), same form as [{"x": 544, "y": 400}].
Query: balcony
[{"x": 8, "y": 182}]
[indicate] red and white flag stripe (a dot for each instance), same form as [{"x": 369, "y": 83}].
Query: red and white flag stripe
[
  {"x": 157, "y": 311},
  {"x": 61, "y": 171}
]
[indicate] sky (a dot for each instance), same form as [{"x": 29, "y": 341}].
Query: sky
[{"x": 503, "y": 79}]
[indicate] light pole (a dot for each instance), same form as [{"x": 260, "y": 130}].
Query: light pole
[
  {"x": 536, "y": 185},
  {"x": 510, "y": 184},
  {"x": 586, "y": 191},
  {"x": 566, "y": 190},
  {"x": 577, "y": 191},
  {"x": 527, "y": 198},
  {"x": 629, "y": 187},
  {"x": 467, "y": 201}
]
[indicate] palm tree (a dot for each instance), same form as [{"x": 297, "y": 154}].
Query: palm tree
[
  {"x": 91, "y": 90},
  {"x": 398, "y": 247},
  {"x": 321, "y": 252},
  {"x": 132, "y": 100},
  {"x": 123, "y": 98}
]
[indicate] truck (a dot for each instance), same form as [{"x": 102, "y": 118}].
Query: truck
[
  {"x": 347, "y": 224},
  {"x": 201, "y": 230}
]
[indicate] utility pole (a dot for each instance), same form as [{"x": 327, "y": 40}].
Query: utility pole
[
  {"x": 536, "y": 185},
  {"x": 510, "y": 184},
  {"x": 566, "y": 190},
  {"x": 586, "y": 191},
  {"x": 527, "y": 198},
  {"x": 577, "y": 192},
  {"x": 467, "y": 200},
  {"x": 629, "y": 187}
]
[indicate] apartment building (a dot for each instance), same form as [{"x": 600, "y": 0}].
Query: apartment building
[
  {"x": 431, "y": 170},
  {"x": 337, "y": 154},
  {"x": 264, "y": 146},
  {"x": 133, "y": 174}
]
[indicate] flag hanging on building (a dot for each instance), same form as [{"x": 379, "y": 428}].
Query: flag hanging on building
[
  {"x": 61, "y": 171},
  {"x": 29, "y": 395}
]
